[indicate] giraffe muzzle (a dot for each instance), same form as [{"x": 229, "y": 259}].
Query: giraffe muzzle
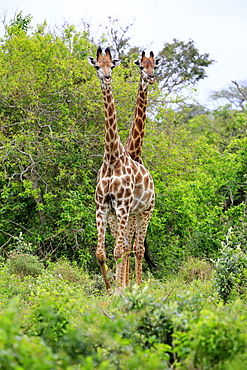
[
  {"x": 151, "y": 79},
  {"x": 107, "y": 79}
]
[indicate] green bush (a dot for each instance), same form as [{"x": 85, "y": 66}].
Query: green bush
[
  {"x": 19, "y": 351},
  {"x": 230, "y": 269},
  {"x": 63, "y": 269},
  {"x": 49, "y": 318},
  {"x": 24, "y": 264},
  {"x": 215, "y": 338},
  {"x": 195, "y": 269}
]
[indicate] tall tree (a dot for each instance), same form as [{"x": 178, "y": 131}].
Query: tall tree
[{"x": 182, "y": 65}]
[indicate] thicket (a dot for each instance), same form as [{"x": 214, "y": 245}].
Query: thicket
[{"x": 51, "y": 140}]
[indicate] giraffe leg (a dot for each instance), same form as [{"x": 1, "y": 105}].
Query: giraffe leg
[
  {"x": 121, "y": 249},
  {"x": 112, "y": 220},
  {"x": 114, "y": 230},
  {"x": 139, "y": 249},
  {"x": 130, "y": 234},
  {"x": 101, "y": 217},
  {"x": 121, "y": 260},
  {"x": 127, "y": 250}
]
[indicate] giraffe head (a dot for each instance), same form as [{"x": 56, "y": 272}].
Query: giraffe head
[
  {"x": 147, "y": 66},
  {"x": 104, "y": 65}
]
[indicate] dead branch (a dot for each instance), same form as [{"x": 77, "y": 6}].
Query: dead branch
[{"x": 241, "y": 91}]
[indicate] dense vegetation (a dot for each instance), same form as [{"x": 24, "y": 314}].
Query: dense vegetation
[
  {"x": 56, "y": 317},
  {"x": 51, "y": 141}
]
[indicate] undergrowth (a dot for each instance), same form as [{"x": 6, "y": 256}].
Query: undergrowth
[{"x": 61, "y": 318}]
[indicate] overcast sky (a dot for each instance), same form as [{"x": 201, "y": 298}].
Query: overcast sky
[{"x": 218, "y": 27}]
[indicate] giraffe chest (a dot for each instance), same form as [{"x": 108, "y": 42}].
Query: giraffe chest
[
  {"x": 114, "y": 186},
  {"x": 127, "y": 186}
]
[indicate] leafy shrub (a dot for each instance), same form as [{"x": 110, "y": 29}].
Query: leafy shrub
[
  {"x": 148, "y": 321},
  {"x": 24, "y": 264},
  {"x": 230, "y": 269},
  {"x": 71, "y": 339},
  {"x": 238, "y": 362},
  {"x": 96, "y": 285},
  {"x": 215, "y": 338},
  {"x": 50, "y": 319},
  {"x": 195, "y": 269},
  {"x": 64, "y": 270},
  {"x": 19, "y": 351}
]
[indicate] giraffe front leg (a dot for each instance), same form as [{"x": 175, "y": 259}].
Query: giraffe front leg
[
  {"x": 100, "y": 255},
  {"x": 101, "y": 217},
  {"x": 119, "y": 253},
  {"x": 120, "y": 259},
  {"x": 121, "y": 249}
]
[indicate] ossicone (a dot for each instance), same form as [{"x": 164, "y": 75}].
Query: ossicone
[
  {"x": 108, "y": 53},
  {"x": 99, "y": 53}
]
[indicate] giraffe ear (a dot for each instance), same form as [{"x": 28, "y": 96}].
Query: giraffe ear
[
  {"x": 92, "y": 61},
  {"x": 116, "y": 62}
]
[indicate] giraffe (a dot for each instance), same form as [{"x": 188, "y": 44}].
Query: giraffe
[
  {"x": 124, "y": 188},
  {"x": 136, "y": 134}
]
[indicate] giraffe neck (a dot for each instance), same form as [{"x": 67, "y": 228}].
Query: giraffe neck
[
  {"x": 113, "y": 147},
  {"x": 135, "y": 139}
]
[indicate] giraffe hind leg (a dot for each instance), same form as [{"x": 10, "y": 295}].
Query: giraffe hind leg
[
  {"x": 130, "y": 234},
  {"x": 142, "y": 222},
  {"x": 126, "y": 249}
]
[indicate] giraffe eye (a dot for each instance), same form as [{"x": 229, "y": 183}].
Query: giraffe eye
[
  {"x": 141, "y": 67},
  {"x": 97, "y": 67}
]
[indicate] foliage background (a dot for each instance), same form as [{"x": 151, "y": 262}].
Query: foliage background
[
  {"x": 51, "y": 138},
  {"x": 54, "y": 313}
]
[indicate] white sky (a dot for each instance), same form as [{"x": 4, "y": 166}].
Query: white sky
[{"x": 218, "y": 27}]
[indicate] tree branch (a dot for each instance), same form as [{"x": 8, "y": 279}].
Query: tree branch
[{"x": 241, "y": 91}]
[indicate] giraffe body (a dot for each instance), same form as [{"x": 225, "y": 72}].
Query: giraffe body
[{"x": 124, "y": 190}]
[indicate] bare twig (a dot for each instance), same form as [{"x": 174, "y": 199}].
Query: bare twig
[
  {"x": 241, "y": 91},
  {"x": 107, "y": 314},
  {"x": 19, "y": 225},
  {"x": 8, "y": 234}
]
